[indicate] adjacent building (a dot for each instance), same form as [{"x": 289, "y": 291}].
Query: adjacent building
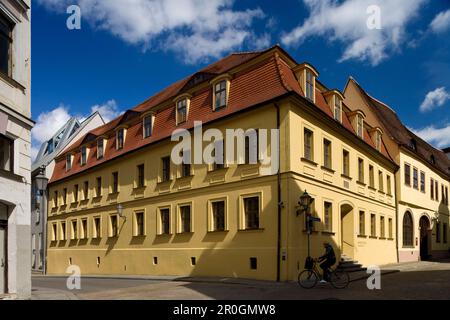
[
  {"x": 15, "y": 145},
  {"x": 119, "y": 204},
  {"x": 422, "y": 183},
  {"x": 42, "y": 168}
]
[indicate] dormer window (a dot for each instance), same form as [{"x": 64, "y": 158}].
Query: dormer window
[
  {"x": 220, "y": 93},
  {"x": 359, "y": 126},
  {"x": 83, "y": 158},
  {"x": 68, "y": 162},
  {"x": 100, "y": 148},
  {"x": 334, "y": 99},
  {"x": 181, "y": 111},
  {"x": 309, "y": 86},
  {"x": 432, "y": 159},
  {"x": 413, "y": 144},
  {"x": 148, "y": 125},
  {"x": 376, "y": 134},
  {"x": 120, "y": 137},
  {"x": 378, "y": 141},
  {"x": 306, "y": 75}
]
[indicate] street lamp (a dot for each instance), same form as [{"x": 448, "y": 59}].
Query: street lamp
[
  {"x": 305, "y": 202},
  {"x": 41, "y": 184},
  {"x": 120, "y": 211}
]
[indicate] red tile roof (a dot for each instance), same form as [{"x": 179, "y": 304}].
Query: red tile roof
[
  {"x": 253, "y": 85},
  {"x": 403, "y": 136}
]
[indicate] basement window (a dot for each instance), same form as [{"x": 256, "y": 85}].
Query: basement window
[
  {"x": 193, "y": 261},
  {"x": 253, "y": 263}
]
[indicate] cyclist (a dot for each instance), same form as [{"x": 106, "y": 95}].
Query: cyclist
[{"x": 327, "y": 261}]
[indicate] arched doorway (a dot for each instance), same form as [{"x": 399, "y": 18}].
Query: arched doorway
[
  {"x": 347, "y": 231},
  {"x": 425, "y": 238}
]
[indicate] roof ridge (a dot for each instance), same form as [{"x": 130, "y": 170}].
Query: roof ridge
[{"x": 280, "y": 72}]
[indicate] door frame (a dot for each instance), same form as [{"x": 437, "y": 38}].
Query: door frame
[{"x": 428, "y": 235}]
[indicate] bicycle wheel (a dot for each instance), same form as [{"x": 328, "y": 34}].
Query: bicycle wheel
[
  {"x": 307, "y": 279},
  {"x": 339, "y": 279}
]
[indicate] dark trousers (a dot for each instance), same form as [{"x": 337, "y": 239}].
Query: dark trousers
[{"x": 325, "y": 266}]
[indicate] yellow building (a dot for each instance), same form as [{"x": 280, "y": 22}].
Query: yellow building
[
  {"x": 422, "y": 182},
  {"x": 121, "y": 206}
]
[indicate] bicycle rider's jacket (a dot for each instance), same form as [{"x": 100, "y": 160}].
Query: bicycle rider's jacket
[{"x": 329, "y": 254}]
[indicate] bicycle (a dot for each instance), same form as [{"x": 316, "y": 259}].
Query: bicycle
[{"x": 309, "y": 277}]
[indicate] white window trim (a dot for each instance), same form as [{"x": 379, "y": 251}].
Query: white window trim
[
  {"x": 135, "y": 225},
  {"x": 179, "y": 221},
  {"x": 159, "y": 229},
  {"x": 152, "y": 123},
  {"x": 242, "y": 225},
  {"x": 211, "y": 227},
  {"x": 182, "y": 97},
  {"x": 224, "y": 77}
]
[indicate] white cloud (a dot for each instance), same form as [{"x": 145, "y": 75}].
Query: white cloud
[
  {"x": 434, "y": 99},
  {"x": 49, "y": 122},
  {"x": 440, "y": 137},
  {"x": 441, "y": 22},
  {"x": 194, "y": 29},
  {"x": 108, "y": 110},
  {"x": 346, "y": 22}
]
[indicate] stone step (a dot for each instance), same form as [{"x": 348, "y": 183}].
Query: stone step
[{"x": 353, "y": 269}]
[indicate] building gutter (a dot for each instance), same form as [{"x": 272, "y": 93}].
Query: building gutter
[
  {"x": 280, "y": 203},
  {"x": 396, "y": 215}
]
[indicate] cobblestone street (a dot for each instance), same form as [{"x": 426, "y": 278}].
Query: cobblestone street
[{"x": 421, "y": 280}]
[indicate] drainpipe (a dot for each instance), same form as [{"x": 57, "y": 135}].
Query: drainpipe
[
  {"x": 280, "y": 203},
  {"x": 396, "y": 215}
]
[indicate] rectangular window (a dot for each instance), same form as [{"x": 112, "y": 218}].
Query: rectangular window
[
  {"x": 84, "y": 229},
  {"x": 100, "y": 148},
  {"x": 415, "y": 178},
  {"x": 115, "y": 182},
  {"x": 445, "y": 230},
  {"x": 380, "y": 181},
  {"x": 64, "y": 196},
  {"x": 83, "y": 158},
  {"x": 68, "y": 162},
  {"x": 220, "y": 92},
  {"x": 422, "y": 181},
  {"x": 337, "y": 109},
  {"x": 327, "y": 153},
  {"x": 181, "y": 111},
  {"x": 185, "y": 218},
  {"x": 391, "y": 230},
  {"x": 438, "y": 232},
  {"x": 446, "y": 196},
  {"x": 436, "y": 190},
  {"x": 371, "y": 177},
  {"x": 407, "y": 174},
  {"x": 97, "y": 228},
  {"x": 55, "y": 199},
  {"x": 120, "y": 138},
  {"x": 251, "y": 212},
  {"x": 140, "y": 176},
  {"x": 251, "y": 148},
  {"x": 63, "y": 231},
  {"x": 86, "y": 190},
  {"x": 373, "y": 227},
  {"x": 309, "y": 85},
  {"x": 113, "y": 226},
  {"x": 74, "y": 230},
  {"x": 54, "y": 232},
  {"x": 253, "y": 263},
  {"x": 98, "y": 189},
  {"x": 360, "y": 170},
  {"x": 362, "y": 223},
  {"x": 185, "y": 166},
  {"x": 139, "y": 224},
  {"x": 148, "y": 126},
  {"x": 219, "y": 156},
  {"x": 382, "y": 227},
  {"x": 328, "y": 216},
  {"x": 432, "y": 188},
  {"x": 75, "y": 193},
  {"x": 389, "y": 186},
  {"x": 218, "y": 215},
  {"x": 346, "y": 163},
  {"x": 308, "y": 145},
  {"x": 442, "y": 193},
  {"x": 6, "y": 28},
  {"x": 165, "y": 220},
  {"x": 165, "y": 169}
]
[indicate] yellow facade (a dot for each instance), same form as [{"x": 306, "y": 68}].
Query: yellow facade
[
  {"x": 280, "y": 249},
  {"x": 428, "y": 233}
]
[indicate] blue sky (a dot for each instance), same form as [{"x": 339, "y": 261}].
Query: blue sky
[{"x": 128, "y": 50}]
